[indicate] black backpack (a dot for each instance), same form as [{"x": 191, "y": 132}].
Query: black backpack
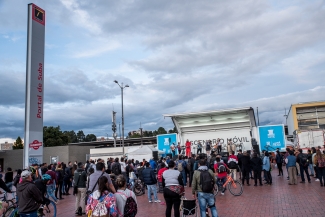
[
  {"x": 131, "y": 207},
  {"x": 232, "y": 165},
  {"x": 304, "y": 160},
  {"x": 206, "y": 181},
  {"x": 116, "y": 168}
]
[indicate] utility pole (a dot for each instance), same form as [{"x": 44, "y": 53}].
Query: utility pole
[
  {"x": 122, "y": 88},
  {"x": 119, "y": 126},
  {"x": 114, "y": 127},
  {"x": 258, "y": 118}
]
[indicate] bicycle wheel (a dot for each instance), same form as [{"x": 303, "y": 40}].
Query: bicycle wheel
[
  {"x": 14, "y": 213},
  {"x": 10, "y": 210},
  {"x": 138, "y": 189},
  {"x": 235, "y": 188},
  {"x": 215, "y": 190},
  {"x": 50, "y": 210}
]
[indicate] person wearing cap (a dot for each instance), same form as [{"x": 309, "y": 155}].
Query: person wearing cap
[{"x": 30, "y": 197}]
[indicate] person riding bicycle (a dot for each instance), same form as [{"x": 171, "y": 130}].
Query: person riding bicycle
[
  {"x": 29, "y": 196},
  {"x": 221, "y": 170}
]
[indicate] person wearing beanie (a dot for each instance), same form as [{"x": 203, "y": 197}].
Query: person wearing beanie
[{"x": 29, "y": 195}]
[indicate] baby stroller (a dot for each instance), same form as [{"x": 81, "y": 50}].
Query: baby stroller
[{"x": 188, "y": 207}]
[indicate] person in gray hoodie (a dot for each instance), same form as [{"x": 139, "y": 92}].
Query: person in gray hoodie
[{"x": 29, "y": 196}]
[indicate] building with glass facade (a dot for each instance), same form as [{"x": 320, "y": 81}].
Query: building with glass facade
[{"x": 306, "y": 116}]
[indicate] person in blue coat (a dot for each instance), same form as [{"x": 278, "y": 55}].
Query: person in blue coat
[
  {"x": 149, "y": 178},
  {"x": 267, "y": 169},
  {"x": 153, "y": 164}
]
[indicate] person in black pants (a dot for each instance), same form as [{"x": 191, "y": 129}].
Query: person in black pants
[
  {"x": 246, "y": 164},
  {"x": 172, "y": 182},
  {"x": 59, "y": 174},
  {"x": 257, "y": 163},
  {"x": 279, "y": 160}
]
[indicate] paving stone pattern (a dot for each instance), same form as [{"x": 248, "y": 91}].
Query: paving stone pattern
[{"x": 279, "y": 199}]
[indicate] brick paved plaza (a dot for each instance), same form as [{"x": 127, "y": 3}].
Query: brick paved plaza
[{"x": 280, "y": 199}]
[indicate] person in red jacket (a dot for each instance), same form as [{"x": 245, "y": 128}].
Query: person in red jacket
[
  {"x": 188, "y": 148},
  {"x": 163, "y": 168}
]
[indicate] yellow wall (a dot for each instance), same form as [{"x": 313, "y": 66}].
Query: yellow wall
[{"x": 304, "y": 105}]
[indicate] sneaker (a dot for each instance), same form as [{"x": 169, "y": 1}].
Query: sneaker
[
  {"x": 150, "y": 201},
  {"x": 316, "y": 180},
  {"x": 157, "y": 201},
  {"x": 222, "y": 193}
]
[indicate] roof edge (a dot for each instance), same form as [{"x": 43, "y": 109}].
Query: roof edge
[{"x": 207, "y": 112}]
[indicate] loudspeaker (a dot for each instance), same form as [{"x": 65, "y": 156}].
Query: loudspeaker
[{"x": 155, "y": 155}]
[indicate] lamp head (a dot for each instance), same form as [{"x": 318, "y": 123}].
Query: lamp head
[
  {"x": 127, "y": 85},
  {"x": 116, "y": 81}
]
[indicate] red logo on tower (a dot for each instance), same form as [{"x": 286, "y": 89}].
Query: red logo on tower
[
  {"x": 38, "y": 14},
  {"x": 35, "y": 144}
]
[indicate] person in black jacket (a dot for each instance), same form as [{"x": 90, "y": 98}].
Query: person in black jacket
[
  {"x": 9, "y": 177},
  {"x": 279, "y": 160},
  {"x": 67, "y": 179},
  {"x": 246, "y": 164},
  {"x": 256, "y": 164},
  {"x": 30, "y": 197},
  {"x": 149, "y": 178}
]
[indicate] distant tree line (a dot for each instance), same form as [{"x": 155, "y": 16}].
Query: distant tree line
[
  {"x": 53, "y": 136},
  {"x": 146, "y": 133}
]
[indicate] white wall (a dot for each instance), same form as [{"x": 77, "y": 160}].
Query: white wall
[
  {"x": 105, "y": 153},
  {"x": 239, "y": 135}
]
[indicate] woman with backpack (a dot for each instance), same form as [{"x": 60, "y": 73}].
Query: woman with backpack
[
  {"x": 319, "y": 161},
  {"x": 102, "y": 202},
  {"x": 126, "y": 200}
]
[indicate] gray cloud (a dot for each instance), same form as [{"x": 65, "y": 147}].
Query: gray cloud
[{"x": 180, "y": 56}]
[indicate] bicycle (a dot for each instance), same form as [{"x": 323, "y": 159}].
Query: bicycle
[
  {"x": 137, "y": 189},
  {"x": 234, "y": 186},
  {"x": 43, "y": 211},
  {"x": 9, "y": 201}
]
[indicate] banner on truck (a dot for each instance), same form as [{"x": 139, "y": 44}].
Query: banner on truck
[
  {"x": 271, "y": 137},
  {"x": 166, "y": 141}
]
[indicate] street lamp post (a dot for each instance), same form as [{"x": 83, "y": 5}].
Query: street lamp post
[{"x": 122, "y": 88}]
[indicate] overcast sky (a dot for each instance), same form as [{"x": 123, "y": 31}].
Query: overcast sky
[{"x": 176, "y": 56}]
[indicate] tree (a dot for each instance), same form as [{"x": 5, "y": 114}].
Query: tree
[
  {"x": 18, "y": 144},
  {"x": 173, "y": 130},
  {"x": 90, "y": 138},
  {"x": 161, "y": 130},
  {"x": 53, "y": 136},
  {"x": 72, "y": 137},
  {"x": 80, "y": 136}
]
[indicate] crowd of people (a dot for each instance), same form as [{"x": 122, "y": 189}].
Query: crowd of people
[{"x": 101, "y": 188}]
